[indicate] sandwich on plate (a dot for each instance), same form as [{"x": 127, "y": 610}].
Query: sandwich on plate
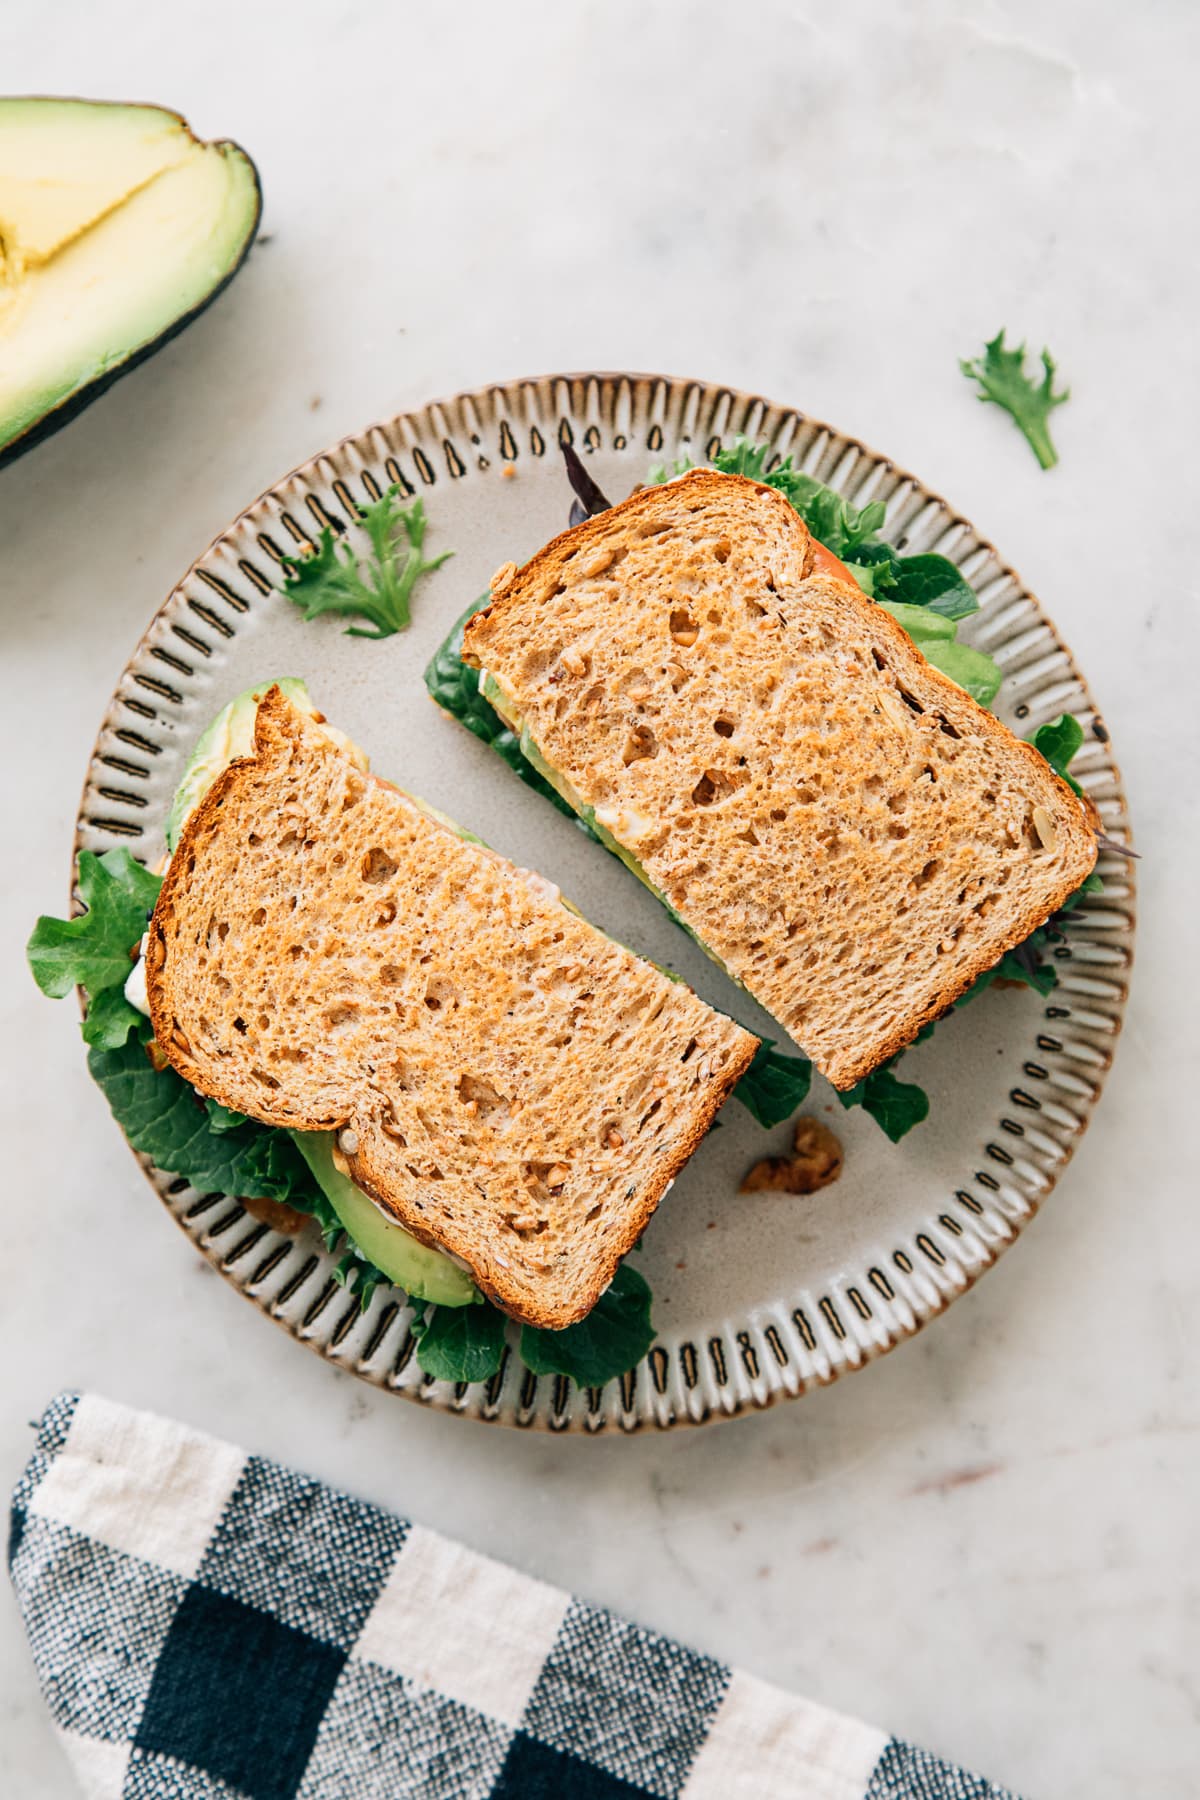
[
  {"x": 801, "y": 773},
  {"x": 488, "y": 1094}
]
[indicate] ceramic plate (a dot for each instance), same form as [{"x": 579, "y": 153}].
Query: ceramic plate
[{"x": 757, "y": 1297}]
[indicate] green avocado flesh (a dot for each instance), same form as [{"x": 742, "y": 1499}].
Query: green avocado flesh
[
  {"x": 230, "y": 735},
  {"x": 423, "y": 1273},
  {"x": 116, "y": 227}
]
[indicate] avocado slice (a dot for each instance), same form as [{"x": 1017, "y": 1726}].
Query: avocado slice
[
  {"x": 424, "y": 1273},
  {"x": 230, "y": 735},
  {"x": 117, "y": 227}
]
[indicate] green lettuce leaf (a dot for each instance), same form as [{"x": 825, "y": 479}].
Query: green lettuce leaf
[
  {"x": 933, "y": 582},
  {"x": 378, "y": 588},
  {"x": 109, "y": 1019},
  {"x": 842, "y": 528},
  {"x": 970, "y": 669},
  {"x": 927, "y": 581},
  {"x": 162, "y": 1117},
  {"x": 774, "y": 1085},
  {"x": 933, "y": 634},
  {"x": 94, "y": 951},
  {"x": 455, "y": 687},
  {"x": 613, "y": 1338},
  {"x": 923, "y": 626},
  {"x": 895, "y": 1105},
  {"x": 876, "y": 578},
  {"x": 1058, "y": 741},
  {"x": 1026, "y": 962},
  {"x": 222, "y": 1118},
  {"x": 461, "y": 1343},
  {"x": 216, "y": 1150},
  {"x": 831, "y": 518},
  {"x": 357, "y": 1275},
  {"x": 1000, "y": 375}
]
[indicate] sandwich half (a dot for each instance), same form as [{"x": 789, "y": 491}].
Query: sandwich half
[
  {"x": 839, "y": 824},
  {"x": 505, "y": 1082}
]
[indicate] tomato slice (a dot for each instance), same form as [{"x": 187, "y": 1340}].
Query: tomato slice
[{"x": 824, "y": 562}]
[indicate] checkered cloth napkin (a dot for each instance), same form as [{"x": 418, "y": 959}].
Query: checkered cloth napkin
[{"x": 210, "y": 1626}]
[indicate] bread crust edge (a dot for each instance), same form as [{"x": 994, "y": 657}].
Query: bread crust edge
[
  {"x": 272, "y": 717},
  {"x": 845, "y": 1071},
  {"x": 491, "y": 1282}
]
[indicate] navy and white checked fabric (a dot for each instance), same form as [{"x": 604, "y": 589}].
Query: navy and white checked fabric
[{"x": 209, "y": 1626}]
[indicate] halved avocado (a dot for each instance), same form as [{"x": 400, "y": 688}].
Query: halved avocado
[
  {"x": 117, "y": 227},
  {"x": 422, "y": 1272}
]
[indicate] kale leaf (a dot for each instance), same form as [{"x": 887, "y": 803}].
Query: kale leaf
[
  {"x": 774, "y": 1085},
  {"x": 110, "y": 1018},
  {"x": 1003, "y": 382},
  {"x": 332, "y": 579},
  {"x": 205, "y": 1143},
  {"x": 612, "y": 1339},
  {"x": 94, "y": 951}
]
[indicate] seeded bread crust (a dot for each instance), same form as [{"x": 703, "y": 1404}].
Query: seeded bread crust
[
  {"x": 852, "y": 835},
  {"x": 520, "y": 1089}
]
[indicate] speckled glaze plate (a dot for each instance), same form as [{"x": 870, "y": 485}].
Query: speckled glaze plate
[{"x": 757, "y": 1297}]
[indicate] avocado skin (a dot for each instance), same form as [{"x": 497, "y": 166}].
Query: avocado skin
[{"x": 70, "y": 407}]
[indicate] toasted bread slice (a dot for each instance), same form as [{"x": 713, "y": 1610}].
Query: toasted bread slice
[
  {"x": 840, "y": 824},
  {"x": 510, "y": 1084}
]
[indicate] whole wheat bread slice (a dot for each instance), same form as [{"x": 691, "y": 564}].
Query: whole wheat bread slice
[
  {"x": 851, "y": 834},
  {"x": 515, "y": 1088}
]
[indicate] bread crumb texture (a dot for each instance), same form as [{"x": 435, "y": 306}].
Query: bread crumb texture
[
  {"x": 518, "y": 1089},
  {"x": 842, "y": 825}
]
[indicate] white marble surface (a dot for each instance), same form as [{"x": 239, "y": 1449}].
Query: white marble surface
[{"x": 987, "y": 1542}]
